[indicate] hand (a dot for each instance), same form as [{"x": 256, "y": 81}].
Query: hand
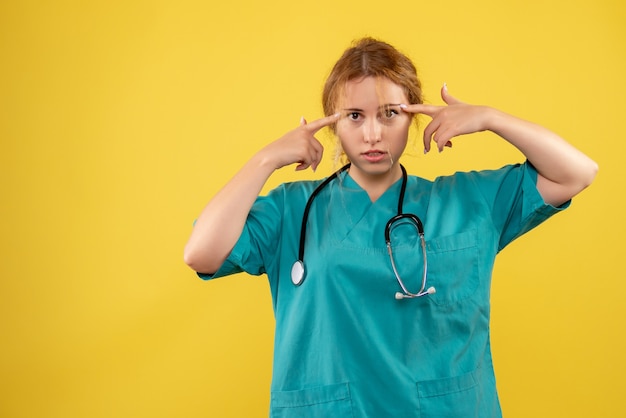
[
  {"x": 299, "y": 145},
  {"x": 454, "y": 119}
]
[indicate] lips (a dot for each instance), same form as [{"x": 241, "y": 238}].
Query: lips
[
  {"x": 374, "y": 153},
  {"x": 374, "y": 156}
]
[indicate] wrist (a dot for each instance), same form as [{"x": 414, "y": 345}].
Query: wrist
[
  {"x": 264, "y": 161},
  {"x": 495, "y": 121}
]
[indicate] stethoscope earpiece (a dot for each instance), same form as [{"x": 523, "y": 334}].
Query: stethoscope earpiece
[{"x": 399, "y": 295}]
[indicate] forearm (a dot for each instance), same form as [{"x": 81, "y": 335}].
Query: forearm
[
  {"x": 564, "y": 171},
  {"x": 219, "y": 226}
]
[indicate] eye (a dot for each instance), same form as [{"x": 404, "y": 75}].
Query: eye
[
  {"x": 354, "y": 116},
  {"x": 389, "y": 113}
]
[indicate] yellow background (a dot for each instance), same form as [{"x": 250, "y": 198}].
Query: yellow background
[{"x": 120, "y": 119}]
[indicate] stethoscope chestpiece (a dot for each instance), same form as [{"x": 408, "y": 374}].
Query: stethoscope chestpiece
[{"x": 297, "y": 273}]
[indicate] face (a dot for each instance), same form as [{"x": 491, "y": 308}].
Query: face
[{"x": 373, "y": 130}]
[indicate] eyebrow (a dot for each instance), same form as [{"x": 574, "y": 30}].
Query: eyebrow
[{"x": 384, "y": 106}]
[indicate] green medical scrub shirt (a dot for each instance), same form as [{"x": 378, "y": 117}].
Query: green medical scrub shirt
[{"x": 344, "y": 346}]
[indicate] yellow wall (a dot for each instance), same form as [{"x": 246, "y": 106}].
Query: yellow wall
[{"x": 119, "y": 119}]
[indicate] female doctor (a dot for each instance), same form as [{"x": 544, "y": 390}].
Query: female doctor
[{"x": 380, "y": 281}]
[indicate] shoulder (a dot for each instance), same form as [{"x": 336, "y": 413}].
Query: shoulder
[
  {"x": 300, "y": 186},
  {"x": 295, "y": 188},
  {"x": 289, "y": 194},
  {"x": 477, "y": 184},
  {"x": 484, "y": 177}
]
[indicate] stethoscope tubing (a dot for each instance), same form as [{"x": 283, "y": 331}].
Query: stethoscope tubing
[
  {"x": 307, "y": 209},
  {"x": 298, "y": 270}
]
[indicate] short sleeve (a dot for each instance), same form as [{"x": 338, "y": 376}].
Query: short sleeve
[
  {"x": 515, "y": 202},
  {"x": 258, "y": 240},
  {"x": 234, "y": 263}
]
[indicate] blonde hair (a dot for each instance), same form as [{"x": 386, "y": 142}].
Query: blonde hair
[{"x": 369, "y": 57}]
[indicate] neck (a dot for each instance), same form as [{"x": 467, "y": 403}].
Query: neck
[{"x": 376, "y": 184}]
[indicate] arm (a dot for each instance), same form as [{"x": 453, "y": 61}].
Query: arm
[
  {"x": 219, "y": 226},
  {"x": 563, "y": 170}
]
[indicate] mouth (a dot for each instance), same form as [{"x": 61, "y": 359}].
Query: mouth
[{"x": 374, "y": 155}]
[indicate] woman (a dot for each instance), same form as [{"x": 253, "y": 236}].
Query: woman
[{"x": 361, "y": 330}]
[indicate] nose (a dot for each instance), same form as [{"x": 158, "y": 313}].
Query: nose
[{"x": 372, "y": 131}]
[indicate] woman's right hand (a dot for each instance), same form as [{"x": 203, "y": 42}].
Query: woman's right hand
[
  {"x": 219, "y": 226},
  {"x": 298, "y": 146}
]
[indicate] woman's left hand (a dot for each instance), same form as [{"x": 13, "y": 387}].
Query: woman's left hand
[
  {"x": 453, "y": 119},
  {"x": 562, "y": 170}
]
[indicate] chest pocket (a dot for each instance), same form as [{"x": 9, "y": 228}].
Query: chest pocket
[{"x": 453, "y": 267}]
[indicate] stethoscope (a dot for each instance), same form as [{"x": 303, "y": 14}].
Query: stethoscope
[{"x": 298, "y": 271}]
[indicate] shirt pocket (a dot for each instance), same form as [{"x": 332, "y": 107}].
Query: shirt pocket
[
  {"x": 453, "y": 267},
  {"x": 451, "y": 397},
  {"x": 322, "y": 401}
]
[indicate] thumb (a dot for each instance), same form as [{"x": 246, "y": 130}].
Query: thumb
[{"x": 447, "y": 97}]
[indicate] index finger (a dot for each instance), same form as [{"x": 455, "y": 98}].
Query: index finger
[
  {"x": 318, "y": 124},
  {"x": 429, "y": 110}
]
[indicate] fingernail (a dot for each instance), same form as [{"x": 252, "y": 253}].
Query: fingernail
[
  {"x": 445, "y": 86},
  {"x": 336, "y": 115},
  {"x": 425, "y": 151},
  {"x": 302, "y": 121},
  {"x": 403, "y": 106}
]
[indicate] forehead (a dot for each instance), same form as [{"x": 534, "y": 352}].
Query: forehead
[{"x": 372, "y": 92}]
